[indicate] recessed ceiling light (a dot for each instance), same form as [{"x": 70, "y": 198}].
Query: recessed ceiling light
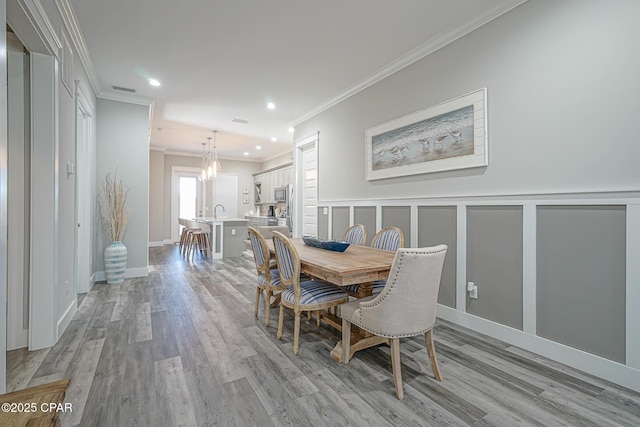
[
  {"x": 271, "y": 106},
  {"x": 258, "y": 147},
  {"x": 274, "y": 139},
  {"x": 246, "y": 154},
  {"x": 291, "y": 129},
  {"x": 154, "y": 82}
]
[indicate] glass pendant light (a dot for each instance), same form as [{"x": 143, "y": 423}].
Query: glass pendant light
[
  {"x": 214, "y": 165},
  {"x": 203, "y": 170}
]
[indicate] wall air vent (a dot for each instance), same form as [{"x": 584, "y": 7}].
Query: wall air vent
[
  {"x": 123, "y": 89},
  {"x": 241, "y": 121}
]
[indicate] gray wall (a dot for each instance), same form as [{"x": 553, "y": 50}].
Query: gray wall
[
  {"x": 156, "y": 196},
  {"x": 547, "y": 67},
  {"x": 494, "y": 263},
  {"x": 436, "y": 225},
  {"x": 366, "y": 215},
  {"x": 581, "y": 279},
  {"x": 339, "y": 222},
  {"x": 323, "y": 223},
  {"x": 398, "y": 216},
  {"x": 123, "y": 145}
]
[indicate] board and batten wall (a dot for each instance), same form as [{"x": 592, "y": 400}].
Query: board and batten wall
[{"x": 548, "y": 231}]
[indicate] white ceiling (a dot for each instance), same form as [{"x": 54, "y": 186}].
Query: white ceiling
[{"x": 218, "y": 59}]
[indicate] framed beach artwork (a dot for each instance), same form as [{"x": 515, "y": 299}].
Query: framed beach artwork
[{"x": 451, "y": 135}]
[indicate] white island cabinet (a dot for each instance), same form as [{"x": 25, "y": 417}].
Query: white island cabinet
[{"x": 227, "y": 236}]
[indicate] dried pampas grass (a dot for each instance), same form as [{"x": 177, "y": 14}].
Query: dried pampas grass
[{"x": 116, "y": 215}]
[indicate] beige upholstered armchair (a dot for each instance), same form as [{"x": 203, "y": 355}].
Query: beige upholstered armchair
[{"x": 406, "y": 306}]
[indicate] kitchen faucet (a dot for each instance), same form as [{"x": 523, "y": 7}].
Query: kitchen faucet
[{"x": 215, "y": 210}]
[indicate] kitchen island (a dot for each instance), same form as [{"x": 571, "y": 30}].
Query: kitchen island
[{"x": 227, "y": 236}]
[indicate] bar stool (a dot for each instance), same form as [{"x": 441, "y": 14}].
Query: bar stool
[{"x": 198, "y": 239}]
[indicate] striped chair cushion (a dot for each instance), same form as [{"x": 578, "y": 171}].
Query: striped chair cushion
[
  {"x": 354, "y": 236},
  {"x": 377, "y": 287},
  {"x": 315, "y": 292},
  {"x": 275, "y": 278},
  {"x": 284, "y": 259},
  {"x": 388, "y": 240},
  {"x": 256, "y": 247}
]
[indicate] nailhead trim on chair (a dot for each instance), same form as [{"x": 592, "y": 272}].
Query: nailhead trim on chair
[{"x": 382, "y": 296}]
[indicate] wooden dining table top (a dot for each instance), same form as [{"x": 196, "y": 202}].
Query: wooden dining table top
[{"x": 357, "y": 264}]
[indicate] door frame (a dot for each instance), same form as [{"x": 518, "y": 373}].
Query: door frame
[
  {"x": 300, "y": 146},
  {"x": 84, "y": 143},
  {"x": 176, "y": 172}
]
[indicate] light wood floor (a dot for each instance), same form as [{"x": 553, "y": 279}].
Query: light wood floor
[{"x": 182, "y": 347}]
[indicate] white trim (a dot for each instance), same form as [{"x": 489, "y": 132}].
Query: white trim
[
  {"x": 157, "y": 148},
  {"x": 38, "y": 18},
  {"x": 461, "y": 257},
  {"x": 529, "y": 269},
  {"x": 64, "y": 321},
  {"x": 412, "y": 56},
  {"x": 413, "y": 239},
  {"x": 612, "y": 371},
  {"x": 633, "y": 286},
  {"x": 129, "y": 98},
  {"x": 156, "y": 244},
  {"x": 71, "y": 24},
  {"x": 168, "y": 242},
  {"x": 174, "y": 190},
  {"x": 130, "y": 273}
]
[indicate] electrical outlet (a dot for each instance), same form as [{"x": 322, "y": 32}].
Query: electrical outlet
[
  {"x": 325, "y": 211},
  {"x": 473, "y": 293},
  {"x": 233, "y": 231},
  {"x": 66, "y": 287}
]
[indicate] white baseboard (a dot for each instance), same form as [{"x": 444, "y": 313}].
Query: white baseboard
[
  {"x": 595, "y": 365},
  {"x": 156, "y": 244},
  {"x": 64, "y": 321},
  {"x": 168, "y": 242},
  {"x": 129, "y": 273}
]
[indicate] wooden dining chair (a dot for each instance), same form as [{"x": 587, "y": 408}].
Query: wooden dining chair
[
  {"x": 268, "y": 281},
  {"x": 406, "y": 307},
  {"x": 388, "y": 239},
  {"x": 307, "y": 295},
  {"x": 355, "y": 235}
]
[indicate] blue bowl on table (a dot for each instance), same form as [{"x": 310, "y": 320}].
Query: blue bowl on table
[{"x": 330, "y": 245}]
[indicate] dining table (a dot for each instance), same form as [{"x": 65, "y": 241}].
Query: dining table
[{"x": 356, "y": 265}]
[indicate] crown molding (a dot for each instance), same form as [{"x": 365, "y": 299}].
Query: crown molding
[
  {"x": 71, "y": 25},
  {"x": 412, "y": 56},
  {"x": 40, "y": 21}
]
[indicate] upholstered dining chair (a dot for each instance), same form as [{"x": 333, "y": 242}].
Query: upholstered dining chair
[
  {"x": 307, "y": 295},
  {"x": 355, "y": 235},
  {"x": 268, "y": 280},
  {"x": 406, "y": 307},
  {"x": 388, "y": 239}
]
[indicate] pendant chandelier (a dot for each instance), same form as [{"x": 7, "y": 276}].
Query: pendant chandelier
[{"x": 210, "y": 163}]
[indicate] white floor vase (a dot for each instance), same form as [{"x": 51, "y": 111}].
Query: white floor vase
[{"x": 115, "y": 262}]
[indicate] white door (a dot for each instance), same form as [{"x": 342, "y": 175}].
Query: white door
[
  {"x": 187, "y": 203},
  {"x": 17, "y": 203},
  {"x": 83, "y": 257},
  {"x": 306, "y": 188}
]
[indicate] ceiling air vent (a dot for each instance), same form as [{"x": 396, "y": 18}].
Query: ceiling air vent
[
  {"x": 123, "y": 89},
  {"x": 241, "y": 121}
]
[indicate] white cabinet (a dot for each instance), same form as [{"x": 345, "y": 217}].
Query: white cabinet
[{"x": 269, "y": 181}]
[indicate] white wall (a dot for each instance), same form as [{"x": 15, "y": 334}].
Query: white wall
[
  {"x": 562, "y": 90},
  {"x": 123, "y": 146}
]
